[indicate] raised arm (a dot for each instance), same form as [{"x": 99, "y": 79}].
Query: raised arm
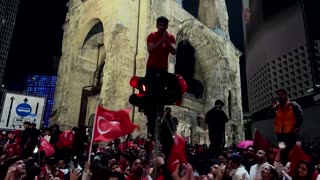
[{"x": 171, "y": 41}]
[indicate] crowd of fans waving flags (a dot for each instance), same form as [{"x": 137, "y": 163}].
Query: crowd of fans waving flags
[{"x": 109, "y": 126}]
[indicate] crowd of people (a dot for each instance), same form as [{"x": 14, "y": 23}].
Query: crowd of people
[
  {"x": 50, "y": 154},
  {"x": 131, "y": 159}
]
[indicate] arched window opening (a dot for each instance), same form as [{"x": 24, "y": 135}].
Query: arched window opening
[
  {"x": 185, "y": 66},
  {"x": 91, "y": 64},
  {"x": 96, "y": 29}
]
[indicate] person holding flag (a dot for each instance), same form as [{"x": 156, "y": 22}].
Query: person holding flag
[{"x": 110, "y": 125}]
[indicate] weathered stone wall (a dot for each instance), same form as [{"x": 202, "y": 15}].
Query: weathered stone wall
[
  {"x": 217, "y": 65},
  {"x": 213, "y": 14},
  {"x": 119, "y": 39}
]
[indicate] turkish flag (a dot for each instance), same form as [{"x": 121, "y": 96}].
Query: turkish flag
[
  {"x": 259, "y": 143},
  {"x": 177, "y": 153},
  {"x": 182, "y": 83},
  {"x": 46, "y": 147},
  {"x": 66, "y": 139},
  {"x": 110, "y": 125},
  {"x": 183, "y": 87}
]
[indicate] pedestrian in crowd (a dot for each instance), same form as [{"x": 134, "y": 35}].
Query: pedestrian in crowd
[
  {"x": 250, "y": 158},
  {"x": 26, "y": 138},
  {"x": 168, "y": 129},
  {"x": 55, "y": 134},
  {"x": 15, "y": 169},
  {"x": 288, "y": 118},
  {"x": 47, "y": 132},
  {"x": 130, "y": 164},
  {"x": 262, "y": 162},
  {"x": 239, "y": 171},
  {"x": 159, "y": 45},
  {"x": 216, "y": 120}
]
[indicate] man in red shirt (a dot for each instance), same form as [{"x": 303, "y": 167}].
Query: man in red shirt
[{"x": 160, "y": 44}]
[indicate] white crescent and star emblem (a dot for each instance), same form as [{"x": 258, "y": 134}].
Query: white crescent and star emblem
[
  {"x": 44, "y": 144},
  {"x": 112, "y": 123}
]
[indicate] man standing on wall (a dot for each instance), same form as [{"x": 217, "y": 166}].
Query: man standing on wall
[
  {"x": 288, "y": 118},
  {"x": 216, "y": 120},
  {"x": 159, "y": 44}
]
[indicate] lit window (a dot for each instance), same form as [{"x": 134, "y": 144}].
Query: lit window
[{"x": 43, "y": 86}]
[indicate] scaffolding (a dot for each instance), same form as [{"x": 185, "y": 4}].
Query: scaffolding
[{"x": 8, "y": 13}]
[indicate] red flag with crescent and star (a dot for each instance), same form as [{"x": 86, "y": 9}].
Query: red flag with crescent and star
[
  {"x": 66, "y": 139},
  {"x": 177, "y": 152},
  {"x": 46, "y": 147},
  {"x": 110, "y": 125}
]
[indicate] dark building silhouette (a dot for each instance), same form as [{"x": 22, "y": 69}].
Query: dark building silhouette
[
  {"x": 281, "y": 51},
  {"x": 8, "y": 13},
  {"x": 36, "y": 43},
  {"x": 237, "y": 38}
]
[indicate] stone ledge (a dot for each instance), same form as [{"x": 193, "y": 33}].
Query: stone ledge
[{"x": 189, "y": 103}]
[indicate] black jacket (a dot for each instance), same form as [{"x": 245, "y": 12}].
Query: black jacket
[{"x": 216, "y": 118}]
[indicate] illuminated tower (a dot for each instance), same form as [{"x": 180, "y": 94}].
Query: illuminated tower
[{"x": 8, "y": 13}]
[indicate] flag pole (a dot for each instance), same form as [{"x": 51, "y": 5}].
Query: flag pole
[{"x": 92, "y": 134}]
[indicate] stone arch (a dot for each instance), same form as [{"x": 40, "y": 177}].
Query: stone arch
[
  {"x": 87, "y": 27},
  {"x": 88, "y": 68},
  {"x": 200, "y": 37},
  {"x": 193, "y": 30},
  {"x": 211, "y": 58},
  {"x": 187, "y": 68},
  {"x": 95, "y": 29},
  {"x": 93, "y": 52}
]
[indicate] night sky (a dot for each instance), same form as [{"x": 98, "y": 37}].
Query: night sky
[{"x": 37, "y": 39}]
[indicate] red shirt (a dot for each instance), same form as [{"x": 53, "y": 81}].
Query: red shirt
[{"x": 158, "y": 58}]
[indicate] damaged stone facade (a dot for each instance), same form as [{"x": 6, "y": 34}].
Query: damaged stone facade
[{"x": 112, "y": 35}]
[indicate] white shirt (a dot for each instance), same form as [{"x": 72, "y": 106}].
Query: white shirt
[
  {"x": 239, "y": 173},
  {"x": 255, "y": 171},
  {"x": 47, "y": 138}
]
